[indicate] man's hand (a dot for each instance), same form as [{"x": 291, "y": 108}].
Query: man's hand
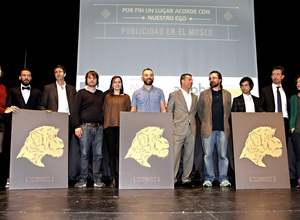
[
  {"x": 12, "y": 109},
  {"x": 78, "y": 132}
]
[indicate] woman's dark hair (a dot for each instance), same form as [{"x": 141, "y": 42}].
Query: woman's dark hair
[
  {"x": 111, "y": 89},
  {"x": 297, "y": 79}
]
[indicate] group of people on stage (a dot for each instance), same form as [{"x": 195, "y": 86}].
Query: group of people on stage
[{"x": 95, "y": 116}]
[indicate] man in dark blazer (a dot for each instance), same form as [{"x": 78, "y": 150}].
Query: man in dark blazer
[
  {"x": 183, "y": 105},
  {"x": 269, "y": 99},
  {"x": 268, "y": 96},
  {"x": 246, "y": 102},
  {"x": 24, "y": 96},
  {"x": 59, "y": 97},
  {"x": 50, "y": 98}
]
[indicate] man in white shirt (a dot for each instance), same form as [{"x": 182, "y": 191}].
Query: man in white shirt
[
  {"x": 183, "y": 105},
  {"x": 271, "y": 101},
  {"x": 246, "y": 102},
  {"x": 274, "y": 98},
  {"x": 58, "y": 96}
]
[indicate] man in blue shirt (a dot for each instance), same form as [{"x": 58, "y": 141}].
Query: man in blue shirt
[{"x": 148, "y": 98}]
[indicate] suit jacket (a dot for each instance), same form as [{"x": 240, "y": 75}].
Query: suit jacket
[
  {"x": 50, "y": 97},
  {"x": 268, "y": 102},
  {"x": 239, "y": 104},
  {"x": 181, "y": 116},
  {"x": 15, "y": 97},
  {"x": 205, "y": 112}
]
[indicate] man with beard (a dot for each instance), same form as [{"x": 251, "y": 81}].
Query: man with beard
[
  {"x": 24, "y": 96},
  {"x": 183, "y": 105},
  {"x": 148, "y": 98},
  {"x": 214, "y": 113}
]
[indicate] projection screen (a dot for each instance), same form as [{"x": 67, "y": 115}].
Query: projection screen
[{"x": 171, "y": 37}]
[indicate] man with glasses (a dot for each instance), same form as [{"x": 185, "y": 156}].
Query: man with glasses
[{"x": 214, "y": 113}]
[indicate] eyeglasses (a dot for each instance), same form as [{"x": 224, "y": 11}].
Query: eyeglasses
[{"x": 115, "y": 82}]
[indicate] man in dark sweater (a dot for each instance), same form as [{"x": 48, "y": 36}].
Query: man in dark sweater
[{"x": 87, "y": 121}]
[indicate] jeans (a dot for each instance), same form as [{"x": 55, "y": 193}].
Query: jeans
[
  {"x": 218, "y": 138},
  {"x": 91, "y": 139}
]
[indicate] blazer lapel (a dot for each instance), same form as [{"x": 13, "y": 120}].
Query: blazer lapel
[
  {"x": 21, "y": 98},
  {"x": 194, "y": 101},
  {"x": 55, "y": 93},
  {"x": 243, "y": 106},
  {"x": 182, "y": 99},
  {"x": 271, "y": 95}
]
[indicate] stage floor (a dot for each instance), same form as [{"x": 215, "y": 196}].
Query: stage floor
[{"x": 197, "y": 203}]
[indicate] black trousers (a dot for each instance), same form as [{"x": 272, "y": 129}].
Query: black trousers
[
  {"x": 111, "y": 135},
  {"x": 296, "y": 146}
]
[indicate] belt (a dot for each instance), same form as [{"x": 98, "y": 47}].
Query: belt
[{"x": 91, "y": 124}]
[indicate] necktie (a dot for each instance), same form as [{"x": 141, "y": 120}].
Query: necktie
[
  {"x": 25, "y": 87},
  {"x": 279, "y": 105}
]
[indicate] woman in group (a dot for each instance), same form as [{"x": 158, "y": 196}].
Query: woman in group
[
  {"x": 115, "y": 102},
  {"x": 3, "y": 110},
  {"x": 295, "y": 126}
]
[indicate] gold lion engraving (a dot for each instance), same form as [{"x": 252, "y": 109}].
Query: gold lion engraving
[
  {"x": 40, "y": 142},
  {"x": 261, "y": 142},
  {"x": 147, "y": 142}
]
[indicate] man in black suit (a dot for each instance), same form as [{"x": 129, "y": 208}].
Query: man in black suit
[
  {"x": 274, "y": 98},
  {"x": 24, "y": 96},
  {"x": 246, "y": 102},
  {"x": 58, "y": 96},
  {"x": 269, "y": 97}
]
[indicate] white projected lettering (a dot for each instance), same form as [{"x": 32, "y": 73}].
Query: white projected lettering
[
  {"x": 172, "y": 37},
  {"x": 155, "y": 21}
]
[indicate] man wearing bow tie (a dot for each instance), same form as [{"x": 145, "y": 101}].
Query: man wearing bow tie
[{"x": 24, "y": 96}]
